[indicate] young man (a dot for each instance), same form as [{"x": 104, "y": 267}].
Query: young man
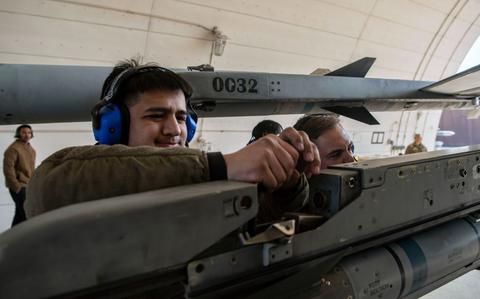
[
  {"x": 417, "y": 146},
  {"x": 18, "y": 166},
  {"x": 333, "y": 142},
  {"x": 145, "y": 113}
]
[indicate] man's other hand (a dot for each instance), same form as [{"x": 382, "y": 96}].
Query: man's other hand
[{"x": 272, "y": 160}]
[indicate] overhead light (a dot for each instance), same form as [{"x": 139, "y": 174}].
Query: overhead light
[
  {"x": 445, "y": 133},
  {"x": 219, "y": 42}
]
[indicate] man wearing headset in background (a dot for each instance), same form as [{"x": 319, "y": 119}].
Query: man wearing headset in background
[
  {"x": 145, "y": 120},
  {"x": 333, "y": 141},
  {"x": 18, "y": 166},
  {"x": 263, "y": 128}
]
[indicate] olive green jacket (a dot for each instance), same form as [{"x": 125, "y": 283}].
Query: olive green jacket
[{"x": 85, "y": 173}]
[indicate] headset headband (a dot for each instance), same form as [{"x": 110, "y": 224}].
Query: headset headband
[{"x": 126, "y": 74}]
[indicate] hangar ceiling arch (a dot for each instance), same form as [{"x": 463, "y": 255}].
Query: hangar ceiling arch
[{"x": 412, "y": 39}]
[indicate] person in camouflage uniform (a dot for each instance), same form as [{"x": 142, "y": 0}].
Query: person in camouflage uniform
[{"x": 417, "y": 146}]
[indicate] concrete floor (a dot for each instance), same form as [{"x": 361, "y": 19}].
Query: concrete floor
[{"x": 464, "y": 287}]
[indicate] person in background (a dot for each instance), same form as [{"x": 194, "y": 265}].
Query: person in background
[
  {"x": 333, "y": 141},
  {"x": 416, "y": 146},
  {"x": 265, "y": 127},
  {"x": 18, "y": 166}
]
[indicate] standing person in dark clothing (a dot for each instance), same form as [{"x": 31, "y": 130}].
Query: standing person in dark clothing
[
  {"x": 417, "y": 146},
  {"x": 18, "y": 166},
  {"x": 265, "y": 127}
]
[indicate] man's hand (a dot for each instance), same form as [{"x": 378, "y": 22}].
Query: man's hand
[
  {"x": 309, "y": 161},
  {"x": 272, "y": 160}
]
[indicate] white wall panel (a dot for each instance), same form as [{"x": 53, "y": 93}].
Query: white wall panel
[
  {"x": 364, "y": 6},
  {"x": 140, "y": 6},
  {"x": 36, "y": 35},
  {"x": 246, "y": 123},
  {"x": 170, "y": 27},
  {"x": 18, "y": 58},
  {"x": 221, "y": 131},
  {"x": 6, "y": 213},
  {"x": 244, "y": 58},
  {"x": 263, "y": 33},
  {"x": 188, "y": 51},
  {"x": 435, "y": 69},
  {"x": 470, "y": 11},
  {"x": 399, "y": 130},
  {"x": 221, "y": 140},
  {"x": 387, "y": 57},
  {"x": 456, "y": 30},
  {"x": 451, "y": 40},
  {"x": 444, "y": 6},
  {"x": 450, "y": 69},
  {"x": 307, "y": 13},
  {"x": 396, "y": 35},
  {"x": 467, "y": 42},
  {"x": 409, "y": 13},
  {"x": 63, "y": 11},
  {"x": 445, "y": 48}
]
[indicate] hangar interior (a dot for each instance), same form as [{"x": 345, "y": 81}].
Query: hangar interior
[{"x": 411, "y": 39}]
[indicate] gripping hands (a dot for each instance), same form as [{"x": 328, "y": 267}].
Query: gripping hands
[{"x": 275, "y": 161}]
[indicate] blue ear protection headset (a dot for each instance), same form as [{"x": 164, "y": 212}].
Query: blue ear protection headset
[{"x": 111, "y": 119}]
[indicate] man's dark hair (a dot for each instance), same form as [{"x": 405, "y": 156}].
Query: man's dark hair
[
  {"x": 129, "y": 91},
  {"x": 19, "y": 128},
  {"x": 316, "y": 124},
  {"x": 265, "y": 127}
]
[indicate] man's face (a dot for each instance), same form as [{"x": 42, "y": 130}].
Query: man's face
[
  {"x": 418, "y": 139},
  {"x": 334, "y": 146},
  {"x": 158, "y": 118},
  {"x": 25, "y": 134}
]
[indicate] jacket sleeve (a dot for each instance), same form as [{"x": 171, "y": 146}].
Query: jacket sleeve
[
  {"x": 87, "y": 173},
  {"x": 272, "y": 206},
  {"x": 408, "y": 150},
  {"x": 9, "y": 160}
]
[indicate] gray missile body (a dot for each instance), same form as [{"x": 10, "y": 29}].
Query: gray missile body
[{"x": 46, "y": 93}]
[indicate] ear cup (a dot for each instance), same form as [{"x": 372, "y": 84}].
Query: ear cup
[
  {"x": 191, "y": 127},
  {"x": 109, "y": 130}
]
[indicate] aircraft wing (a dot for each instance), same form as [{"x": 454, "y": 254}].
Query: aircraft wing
[
  {"x": 46, "y": 93},
  {"x": 391, "y": 228},
  {"x": 464, "y": 84}
]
